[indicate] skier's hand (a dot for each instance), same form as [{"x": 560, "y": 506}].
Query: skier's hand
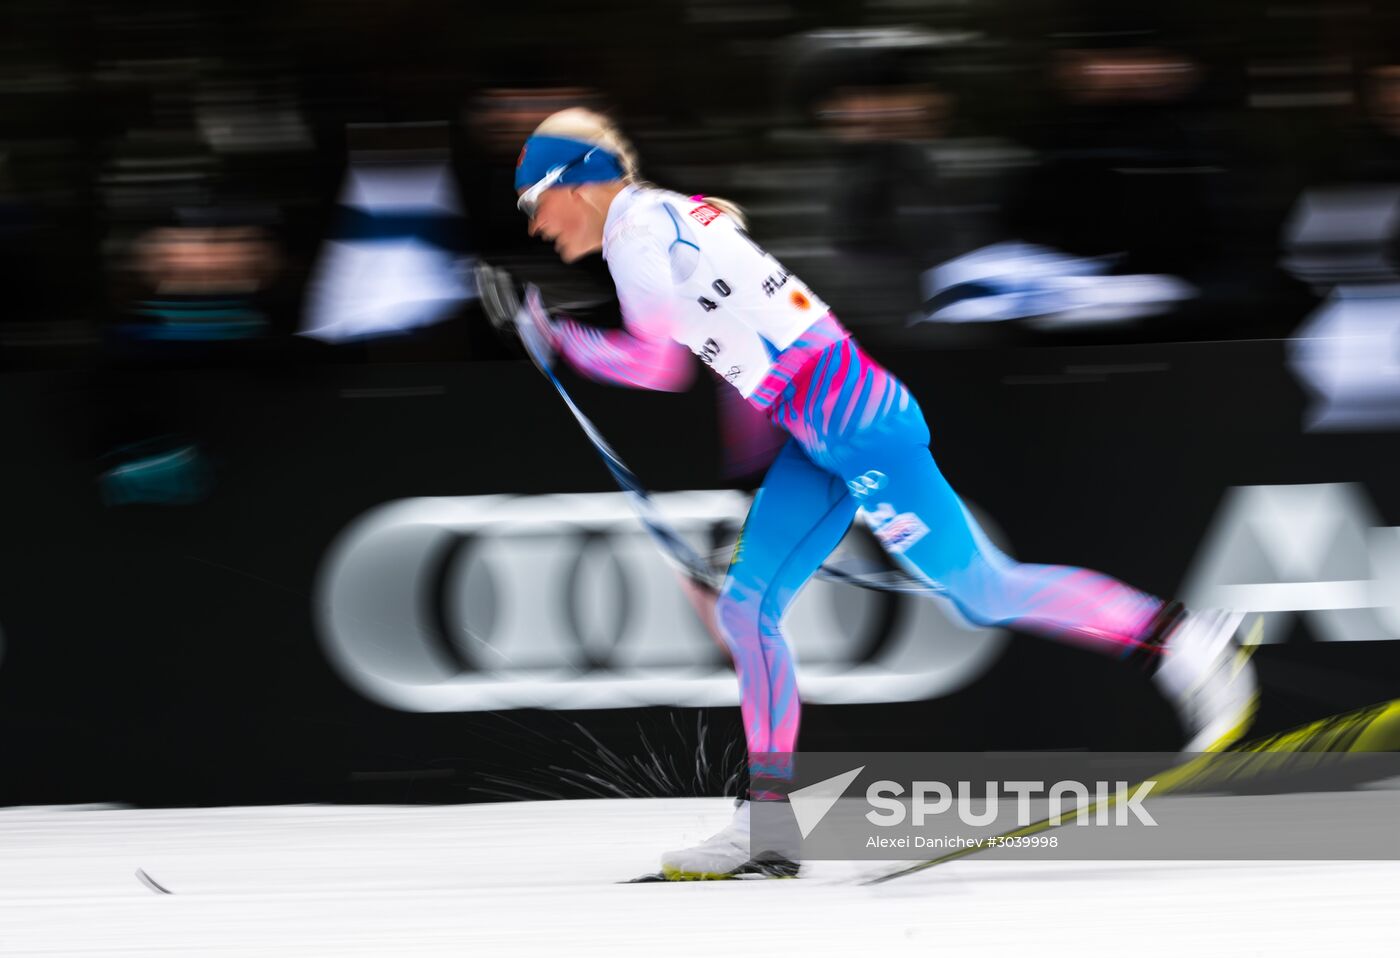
[
  {"x": 527, "y": 323},
  {"x": 498, "y": 298}
]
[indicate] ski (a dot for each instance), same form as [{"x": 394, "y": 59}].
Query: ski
[{"x": 749, "y": 871}]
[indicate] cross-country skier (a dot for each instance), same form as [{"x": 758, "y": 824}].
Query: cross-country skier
[{"x": 691, "y": 280}]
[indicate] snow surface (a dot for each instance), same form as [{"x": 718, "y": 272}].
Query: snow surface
[{"x": 539, "y": 878}]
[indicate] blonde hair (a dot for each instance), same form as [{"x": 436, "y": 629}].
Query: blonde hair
[{"x": 588, "y": 126}]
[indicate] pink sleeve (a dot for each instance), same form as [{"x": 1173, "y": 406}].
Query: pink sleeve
[
  {"x": 622, "y": 357},
  {"x": 644, "y": 354}
]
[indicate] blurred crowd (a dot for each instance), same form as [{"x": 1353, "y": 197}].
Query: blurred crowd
[{"x": 185, "y": 180}]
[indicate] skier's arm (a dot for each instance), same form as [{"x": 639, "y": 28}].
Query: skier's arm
[
  {"x": 626, "y": 357},
  {"x": 643, "y": 354}
]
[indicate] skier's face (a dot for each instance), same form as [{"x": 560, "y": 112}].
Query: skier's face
[{"x": 565, "y": 218}]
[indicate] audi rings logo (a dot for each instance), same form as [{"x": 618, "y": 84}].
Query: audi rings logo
[{"x": 563, "y": 602}]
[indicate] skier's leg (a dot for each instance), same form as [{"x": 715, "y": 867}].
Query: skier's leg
[
  {"x": 921, "y": 521},
  {"x": 798, "y": 516},
  {"x": 861, "y": 422}
]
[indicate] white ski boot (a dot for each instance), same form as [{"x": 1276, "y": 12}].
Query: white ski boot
[
  {"x": 1207, "y": 675},
  {"x": 727, "y": 854}
]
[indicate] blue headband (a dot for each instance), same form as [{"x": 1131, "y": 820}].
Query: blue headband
[{"x": 542, "y": 153}]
